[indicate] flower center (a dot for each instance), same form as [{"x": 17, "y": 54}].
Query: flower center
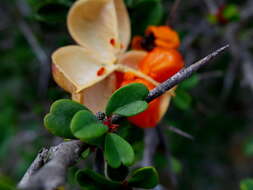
[{"x": 148, "y": 42}]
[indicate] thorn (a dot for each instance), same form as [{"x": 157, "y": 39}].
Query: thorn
[
  {"x": 173, "y": 12},
  {"x": 182, "y": 75},
  {"x": 180, "y": 132}
]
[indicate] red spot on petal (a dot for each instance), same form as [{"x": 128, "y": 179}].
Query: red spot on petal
[
  {"x": 113, "y": 42},
  {"x": 101, "y": 71}
]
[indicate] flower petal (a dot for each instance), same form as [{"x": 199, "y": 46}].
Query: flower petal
[
  {"x": 76, "y": 68},
  {"x": 97, "y": 96},
  {"x": 164, "y": 105},
  {"x": 132, "y": 58},
  {"x": 129, "y": 61},
  {"x": 93, "y": 24},
  {"x": 123, "y": 22}
]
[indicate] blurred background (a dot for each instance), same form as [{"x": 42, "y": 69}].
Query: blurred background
[{"x": 215, "y": 106}]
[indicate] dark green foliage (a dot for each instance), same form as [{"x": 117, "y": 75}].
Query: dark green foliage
[
  {"x": 183, "y": 99},
  {"x": 117, "y": 174},
  {"x": 231, "y": 12},
  {"x": 57, "y": 121},
  {"x": 246, "y": 184},
  {"x": 146, "y": 177},
  {"x": 51, "y": 11},
  {"x": 93, "y": 181},
  {"x": 6, "y": 183},
  {"x": 144, "y": 13}
]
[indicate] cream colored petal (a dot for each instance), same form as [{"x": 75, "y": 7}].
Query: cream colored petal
[
  {"x": 164, "y": 105},
  {"x": 165, "y": 102},
  {"x": 128, "y": 62},
  {"x": 131, "y": 58},
  {"x": 123, "y": 21},
  {"x": 124, "y": 69},
  {"x": 97, "y": 96},
  {"x": 61, "y": 79},
  {"x": 93, "y": 24},
  {"x": 76, "y": 68}
]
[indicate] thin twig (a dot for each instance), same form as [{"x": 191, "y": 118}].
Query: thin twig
[
  {"x": 150, "y": 145},
  {"x": 211, "y": 5},
  {"x": 232, "y": 70},
  {"x": 173, "y": 12},
  {"x": 39, "y": 52},
  {"x": 164, "y": 142},
  {"x": 180, "y": 132},
  {"x": 99, "y": 164},
  {"x": 237, "y": 50}
]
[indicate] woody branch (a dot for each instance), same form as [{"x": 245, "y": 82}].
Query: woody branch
[{"x": 49, "y": 169}]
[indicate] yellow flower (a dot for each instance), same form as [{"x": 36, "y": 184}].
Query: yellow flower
[{"x": 88, "y": 70}]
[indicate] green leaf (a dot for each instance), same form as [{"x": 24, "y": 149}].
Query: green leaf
[
  {"x": 182, "y": 100},
  {"x": 6, "y": 183},
  {"x": 176, "y": 165},
  {"x": 85, "y": 126},
  {"x": 246, "y": 184},
  {"x": 57, "y": 121},
  {"x": 146, "y": 177},
  {"x": 126, "y": 95},
  {"x": 118, "y": 151},
  {"x": 248, "y": 147},
  {"x": 132, "y": 109},
  {"x": 231, "y": 13},
  {"x": 129, "y": 3},
  {"x": 51, "y": 11},
  {"x": 86, "y": 153},
  {"x": 94, "y": 181},
  {"x": 190, "y": 82},
  {"x": 117, "y": 174},
  {"x": 151, "y": 10},
  {"x": 212, "y": 18}
]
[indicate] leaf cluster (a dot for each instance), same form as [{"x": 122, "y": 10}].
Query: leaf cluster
[{"x": 71, "y": 120}]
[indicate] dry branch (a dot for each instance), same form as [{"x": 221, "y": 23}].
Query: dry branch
[{"x": 49, "y": 169}]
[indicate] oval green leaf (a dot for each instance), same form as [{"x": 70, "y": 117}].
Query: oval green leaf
[
  {"x": 92, "y": 180},
  {"x": 86, "y": 127},
  {"x": 85, "y": 154},
  {"x": 57, "y": 121},
  {"x": 146, "y": 177},
  {"x": 132, "y": 109},
  {"x": 118, "y": 151},
  {"x": 126, "y": 95}
]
